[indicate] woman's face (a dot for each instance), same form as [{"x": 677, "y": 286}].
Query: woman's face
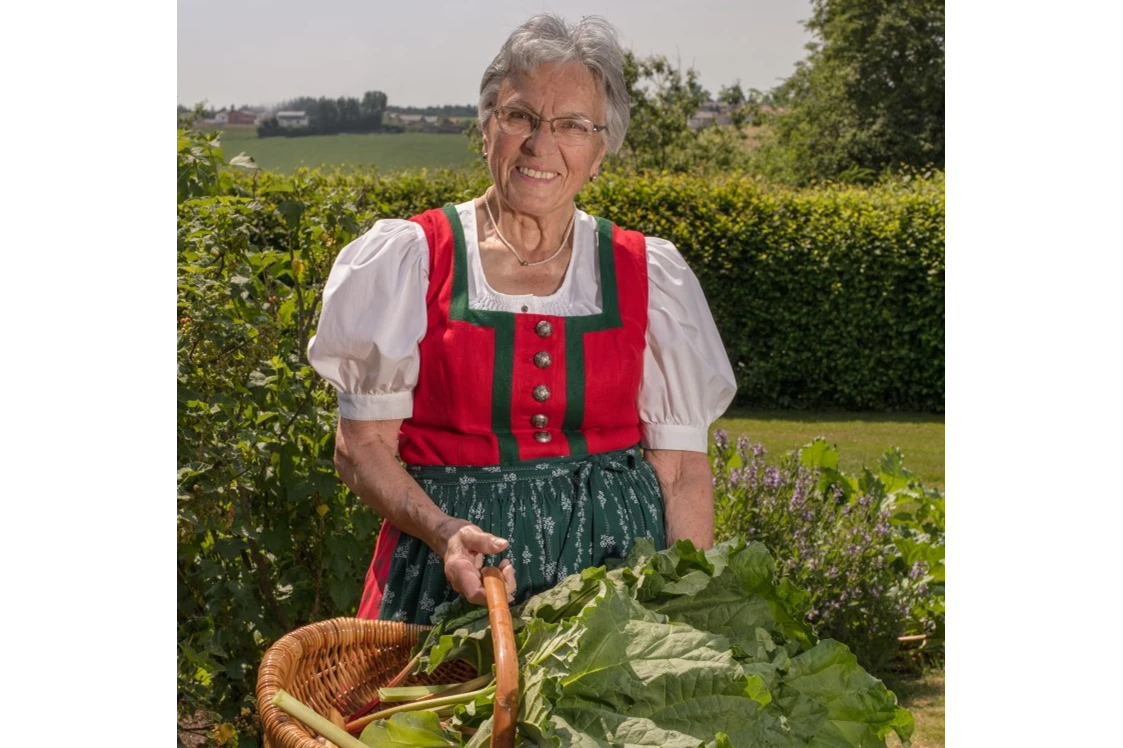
[{"x": 534, "y": 174}]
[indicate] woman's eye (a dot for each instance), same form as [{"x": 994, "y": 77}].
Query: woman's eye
[
  {"x": 574, "y": 125},
  {"x": 519, "y": 116}
]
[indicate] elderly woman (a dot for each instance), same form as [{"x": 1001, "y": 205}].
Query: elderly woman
[{"x": 547, "y": 378}]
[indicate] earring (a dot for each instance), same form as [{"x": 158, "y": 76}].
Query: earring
[{"x": 593, "y": 177}]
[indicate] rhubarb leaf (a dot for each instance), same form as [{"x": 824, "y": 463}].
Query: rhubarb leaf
[{"x": 419, "y": 729}]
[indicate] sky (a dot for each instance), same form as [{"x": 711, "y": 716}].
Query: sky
[{"x": 433, "y": 52}]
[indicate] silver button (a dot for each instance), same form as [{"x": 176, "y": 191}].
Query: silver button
[
  {"x": 542, "y": 436},
  {"x": 544, "y": 329},
  {"x": 542, "y": 359},
  {"x": 541, "y": 393},
  {"x": 539, "y": 421}
]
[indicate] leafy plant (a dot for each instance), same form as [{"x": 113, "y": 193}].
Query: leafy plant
[
  {"x": 869, "y": 550},
  {"x": 676, "y": 648}
]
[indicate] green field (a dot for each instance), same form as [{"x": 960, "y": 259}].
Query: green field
[
  {"x": 387, "y": 151},
  {"x": 861, "y": 438}
]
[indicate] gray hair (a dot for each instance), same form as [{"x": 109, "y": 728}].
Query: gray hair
[{"x": 546, "y": 39}]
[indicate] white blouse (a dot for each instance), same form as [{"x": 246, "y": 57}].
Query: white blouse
[{"x": 374, "y": 317}]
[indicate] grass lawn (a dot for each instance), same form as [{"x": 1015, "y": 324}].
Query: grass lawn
[
  {"x": 387, "y": 151},
  {"x": 861, "y": 438},
  {"x": 924, "y": 697}
]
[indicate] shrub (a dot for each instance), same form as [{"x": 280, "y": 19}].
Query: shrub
[
  {"x": 869, "y": 550},
  {"x": 827, "y": 297},
  {"x": 268, "y": 538}
]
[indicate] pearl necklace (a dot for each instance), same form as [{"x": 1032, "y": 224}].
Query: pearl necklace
[{"x": 503, "y": 239}]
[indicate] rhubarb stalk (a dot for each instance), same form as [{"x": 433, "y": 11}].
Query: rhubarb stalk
[{"x": 295, "y": 709}]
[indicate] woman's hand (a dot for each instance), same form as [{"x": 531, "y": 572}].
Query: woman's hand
[{"x": 465, "y": 548}]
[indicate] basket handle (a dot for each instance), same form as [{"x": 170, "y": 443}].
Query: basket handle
[{"x": 506, "y": 708}]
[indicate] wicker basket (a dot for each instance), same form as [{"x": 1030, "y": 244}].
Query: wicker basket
[{"x": 339, "y": 664}]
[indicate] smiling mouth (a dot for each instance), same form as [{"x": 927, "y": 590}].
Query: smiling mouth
[{"x": 536, "y": 174}]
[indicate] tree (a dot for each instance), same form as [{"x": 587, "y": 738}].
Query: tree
[
  {"x": 348, "y": 109},
  {"x": 372, "y": 107},
  {"x": 868, "y": 99},
  {"x": 734, "y": 96},
  {"x": 374, "y": 103},
  {"x": 329, "y": 116},
  {"x": 662, "y": 99},
  {"x": 326, "y": 114},
  {"x": 299, "y": 104}
]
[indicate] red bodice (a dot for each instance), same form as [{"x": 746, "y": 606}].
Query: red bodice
[{"x": 499, "y": 387}]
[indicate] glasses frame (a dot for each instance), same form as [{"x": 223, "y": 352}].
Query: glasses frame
[{"x": 535, "y": 121}]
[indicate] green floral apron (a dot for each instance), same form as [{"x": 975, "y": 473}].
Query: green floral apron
[{"x": 561, "y": 515}]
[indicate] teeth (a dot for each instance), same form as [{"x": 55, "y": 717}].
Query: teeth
[{"x": 537, "y": 174}]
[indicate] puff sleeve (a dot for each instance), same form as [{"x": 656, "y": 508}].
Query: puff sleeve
[
  {"x": 687, "y": 379},
  {"x": 372, "y": 320}
]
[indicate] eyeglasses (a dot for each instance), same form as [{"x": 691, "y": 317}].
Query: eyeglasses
[{"x": 566, "y": 130}]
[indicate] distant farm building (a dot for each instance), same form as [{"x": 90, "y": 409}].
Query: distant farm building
[
  {"x": 231, "y": 117},
  {"x": 413, "y": 119},
  {"x": 292, "y": 119},
  {"x": 241, "y": 118}
]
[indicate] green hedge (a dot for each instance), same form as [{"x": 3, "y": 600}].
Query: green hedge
[{"x": 827, "y": 298}]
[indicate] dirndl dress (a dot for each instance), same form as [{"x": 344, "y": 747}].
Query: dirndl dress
[{"x": 525, "y": 424}]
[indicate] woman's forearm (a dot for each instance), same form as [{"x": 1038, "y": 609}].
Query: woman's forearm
[
  {"x": 366, "y": 458},
  {"x": 688, "y": 495}
]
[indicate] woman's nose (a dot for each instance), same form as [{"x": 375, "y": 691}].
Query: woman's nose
[{"x": 541, "y": 140}]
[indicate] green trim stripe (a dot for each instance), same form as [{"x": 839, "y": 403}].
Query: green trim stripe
[
  {"x": 503, "y": 323},
  {"x": 575, "y": 329},
  {"x": 574, "y": 391}
]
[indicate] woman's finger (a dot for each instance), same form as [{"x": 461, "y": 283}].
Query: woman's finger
[
  {"x": 483, "y": 542},
  {"x": 464, "y": 576},
  {"x": 508, "y": 570}
]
